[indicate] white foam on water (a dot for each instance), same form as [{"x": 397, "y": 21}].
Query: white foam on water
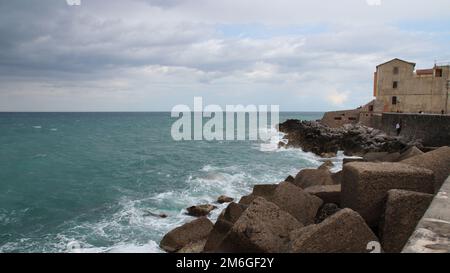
[{"x": 37, "y": 127}]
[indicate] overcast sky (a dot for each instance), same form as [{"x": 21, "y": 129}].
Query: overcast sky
[{"x": 149, "y": 55}]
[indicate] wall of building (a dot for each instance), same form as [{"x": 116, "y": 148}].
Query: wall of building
[
  {"x": 336, "y": 119},
  {"x": 432, "y": 129},
  {"x": 415, "y": 92}
]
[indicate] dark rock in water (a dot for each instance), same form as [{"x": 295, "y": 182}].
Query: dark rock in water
[
  {"x": 200, "y": 210},
  {"x": 326, "y": 211},
  {"x": 297, "y": 202},
  {"x": 365, "y": 186},
  {"x": 290, "y": 178},
  {"x": 404, "y": 209},
  {"x": 313, "y": 177},
  {"x": 328, "y": 155},
  {"x": 438, "y": 161},
  {"x": 343, "y": 232},
  {"x": 328, "y": 193},
  {"x": 189, "y": 233},
  {"x": 224, "y": 199},
  {"x": 326, "y": 165},
  {"x": 312, "y": 136},
  {"x": 160, "y": 215},
  {"x": 224, "y": 223},
  {"x": 262, "y": 228}
]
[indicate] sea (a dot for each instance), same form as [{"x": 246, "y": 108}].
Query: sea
[{"x": 91, "y": 182}]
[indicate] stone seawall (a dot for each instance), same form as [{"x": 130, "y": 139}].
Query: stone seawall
[
  {"x": 433, "y": 130},
  {"x": 432, "y": 233}
]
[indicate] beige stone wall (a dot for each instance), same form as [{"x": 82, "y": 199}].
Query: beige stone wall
[
  {"x": 338, "y": 118},
  {"x": 414, "y": 93}
]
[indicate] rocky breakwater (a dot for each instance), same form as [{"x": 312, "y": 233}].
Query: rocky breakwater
[
  {"x": 369, "y": 206},
  {"x": 312, "y": 136}
]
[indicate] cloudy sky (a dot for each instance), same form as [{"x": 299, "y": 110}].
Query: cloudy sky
[{"x": 149, "y": 55}]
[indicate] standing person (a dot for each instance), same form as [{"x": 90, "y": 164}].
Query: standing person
[{"x": 398, "y": 128}]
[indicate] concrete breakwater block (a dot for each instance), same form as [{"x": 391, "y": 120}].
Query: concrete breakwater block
[
  {"x": 343, "y": 232},
  {"x": 224, "y": 223},
  {"x": 365, "y": 185},
  {"x": 438, "y": 161},
  {"x": 300, "y": 204},
  {"x": 328, "y": 193},
  {"x": 313, "y": 177},
  {"x": 188, "y": 234},
  {"x": 262, "y": 228},
  {"x": 404, "y": 209}
]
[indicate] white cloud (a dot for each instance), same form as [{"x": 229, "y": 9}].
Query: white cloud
[{"x": 150, "y": 54}]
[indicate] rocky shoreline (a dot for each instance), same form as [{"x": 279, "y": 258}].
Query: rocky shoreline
[{"x": 373, "y": 204}]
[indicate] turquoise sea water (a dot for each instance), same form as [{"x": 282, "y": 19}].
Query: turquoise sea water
[{"x": 93, "y": 178}]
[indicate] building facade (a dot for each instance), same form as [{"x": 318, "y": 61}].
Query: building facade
[{"x": 399, "y": 88}]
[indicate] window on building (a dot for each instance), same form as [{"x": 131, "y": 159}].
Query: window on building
[
  {"x": 338, "y": 118},
  {"x": 395, "y": 85},
  {"x": 370, "y": 108},
  {"x": 394, "y": 100},
  {"x": 352, "y": 118},
  {"x": 439, "y": 73},
  {"x": 396, "y": 70}
]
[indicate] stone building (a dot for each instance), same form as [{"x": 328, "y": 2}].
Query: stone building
[{"x": 400, "y": 88}]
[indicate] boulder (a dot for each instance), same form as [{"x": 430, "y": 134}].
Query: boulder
[
  {"x": 224, "y": 223},
  {"x": 297, "y": 202},
  {"x": 264, "y": 190},
  {"x": 200, "y": 210},
  {"x": 438, "y": 161},
  {"x": 189, "y": 233},
  {"x": 313, "y": 177},
  {"x": 224, "y": 199},
  {"x": 328, "y": 155},
  {"x": 326, "y": 211},
  {"x": 262, "y": 228},
  {"x": 328, "y": 164},
  {"x": 411, "y": 152},
  {"x": 158, "y": 215},
  {"x": 404, "y": 209},
  {"x": 344, "y": 232},
  {"x": 328, "y": 193},
  {"x": 247, "y": 199},
  {"x": 365, "y": 186},
  {"x": 290, "y": 178},
  {"x": 193, "y": 248}
]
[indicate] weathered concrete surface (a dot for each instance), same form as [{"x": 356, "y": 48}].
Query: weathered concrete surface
[
  {"x": 328, "y": 194},
  {"x": 404, "y": 209},
  {"x": 432, "y": 234},
  {"x": 262, "y": 228},
  {"x": 365, "y": 185},
  {"x": 438, "y": 161},
  {"x": 303, "y": 206},
  {"x": 344, "y": 232}
]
